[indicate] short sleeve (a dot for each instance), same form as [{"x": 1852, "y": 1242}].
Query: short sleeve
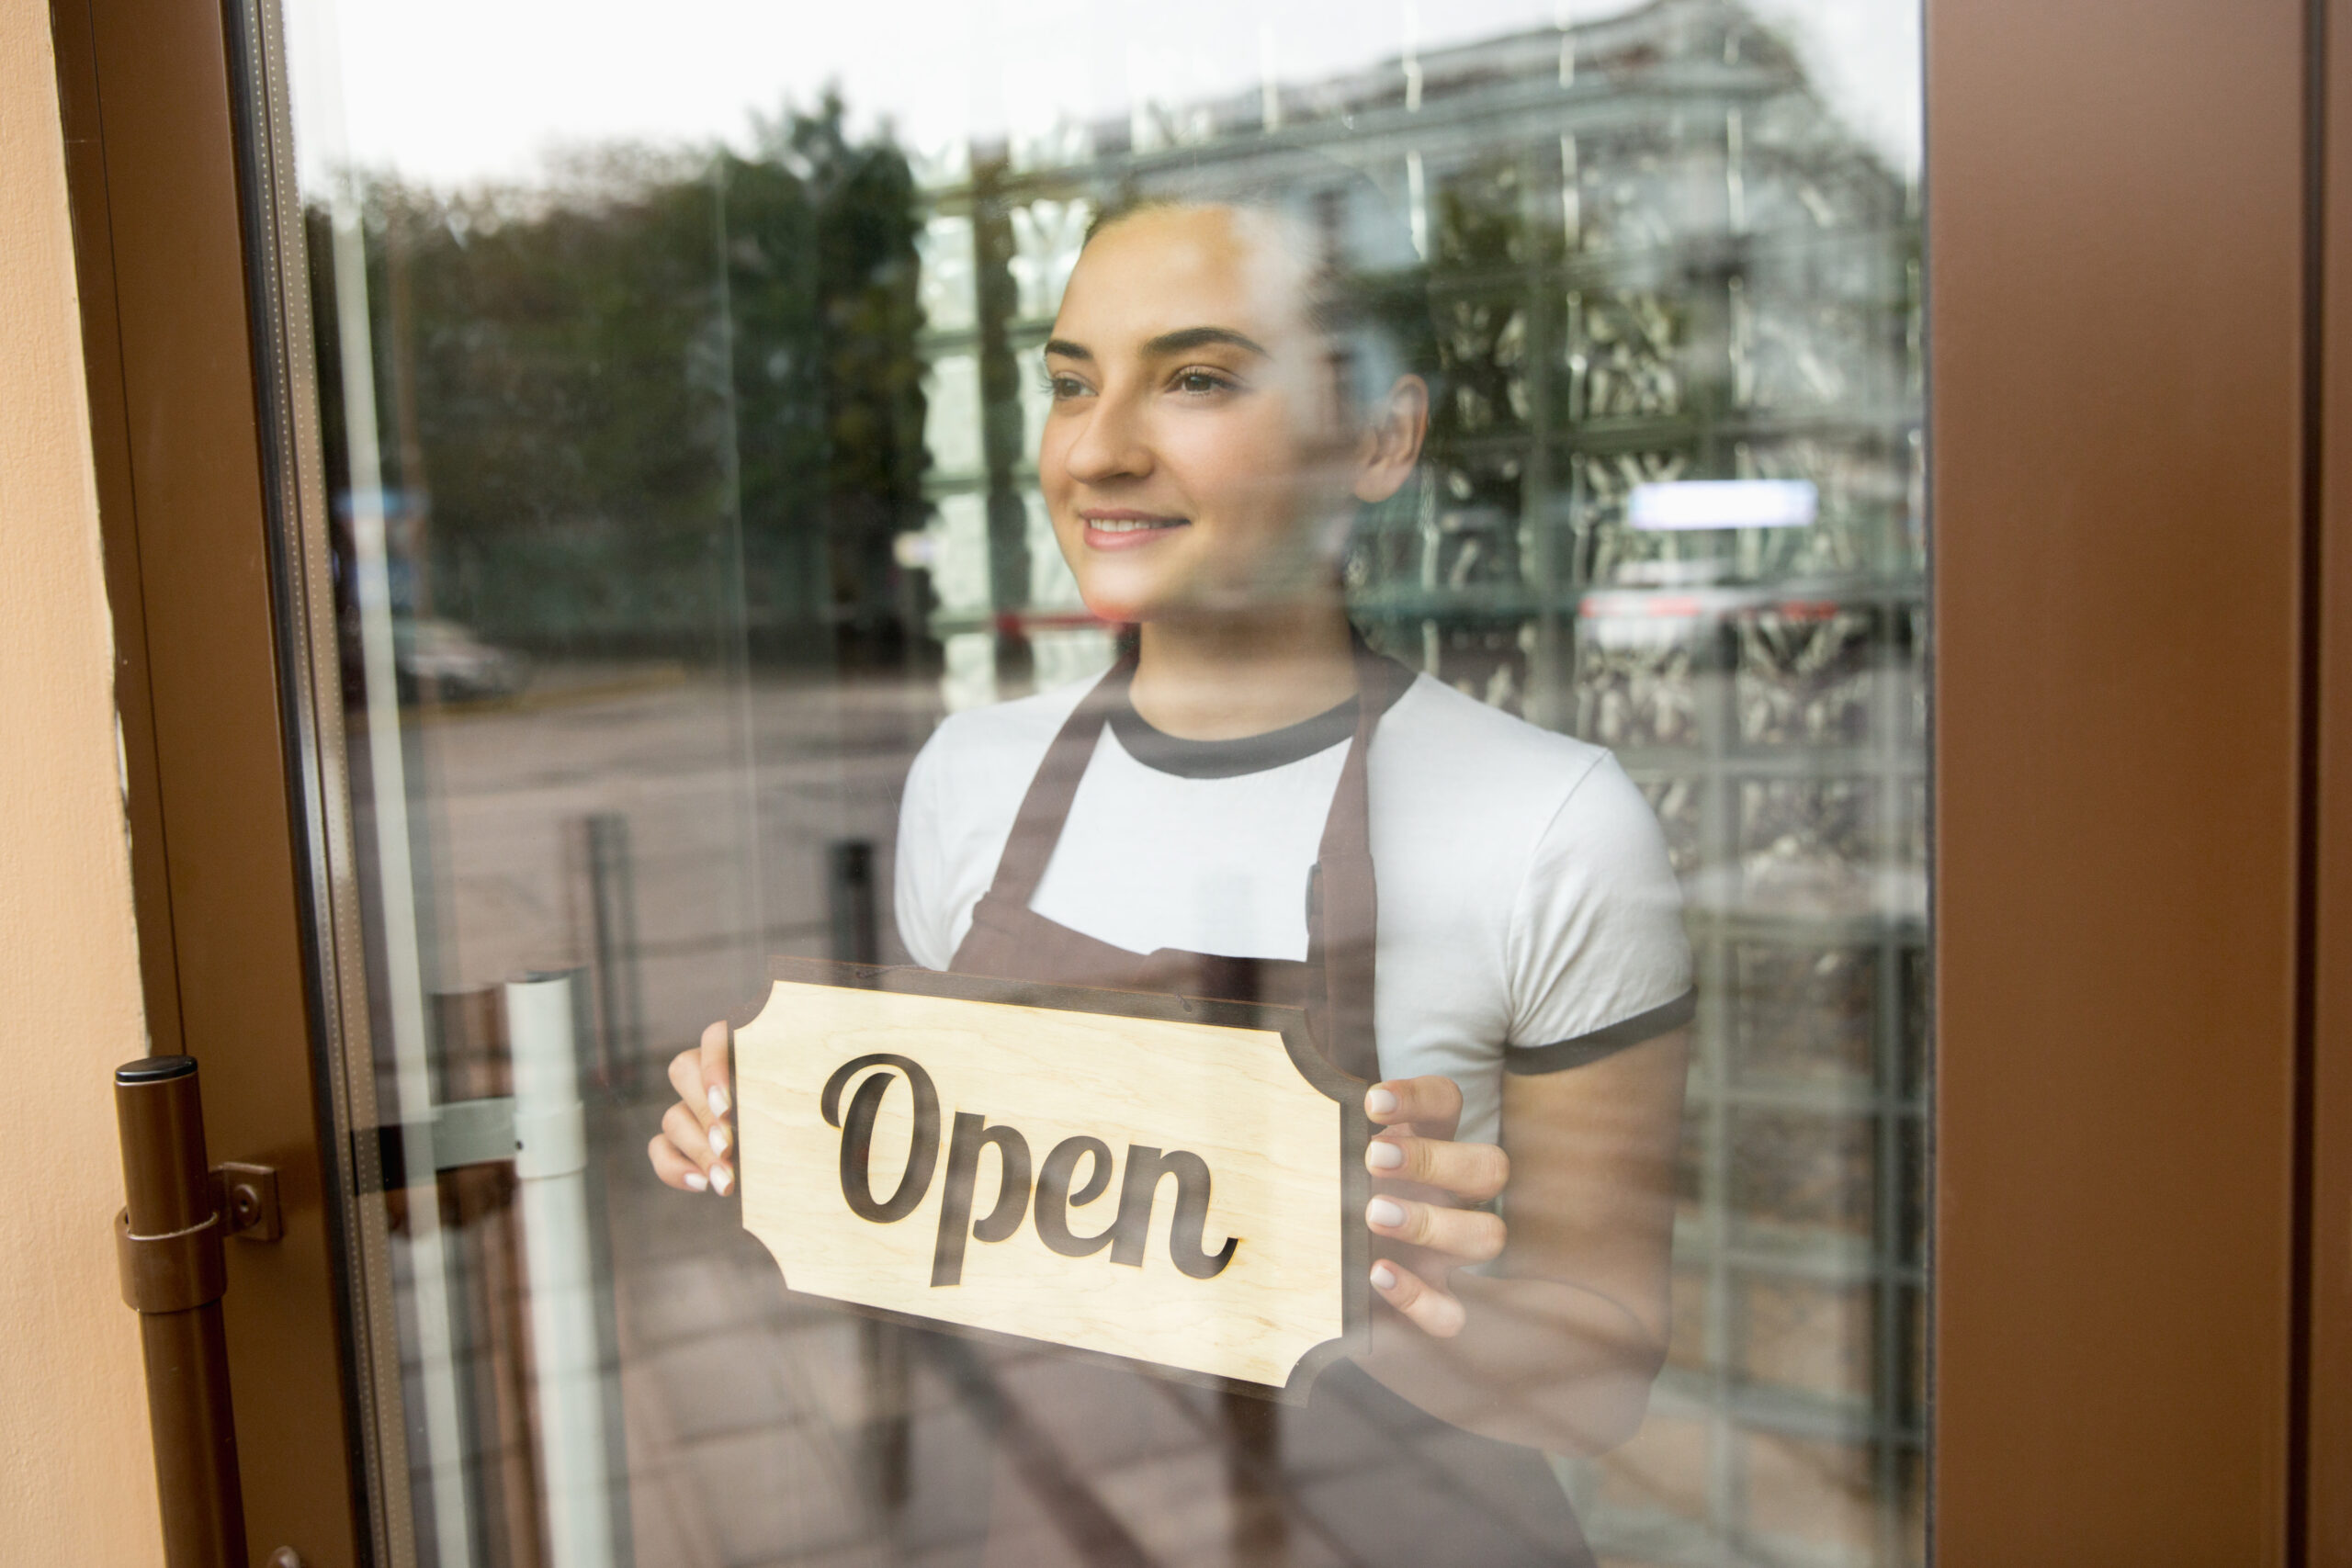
[
  {"x": 1597, "y": 954},
  {"x": 919, "y": 889}
]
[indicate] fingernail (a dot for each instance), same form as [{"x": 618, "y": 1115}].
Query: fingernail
[
  {"x": 697, "y": 1181},
  {"x": 1377, "y": 1103},
  {"x": 722, "y": 1179},
  {"x": 1383, "y": 1277},
  {"x": 1384, "y": 1156},
  {"x": 717, "y": 1098},
  {"x": 719, "y": 1138},
  {"x": 1380, "y": 1212}
]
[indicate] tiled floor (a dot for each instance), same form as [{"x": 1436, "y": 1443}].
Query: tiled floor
[{"x": 767, "y": 1430}]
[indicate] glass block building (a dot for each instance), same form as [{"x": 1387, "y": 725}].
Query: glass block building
[{"x": 1654, "y": 253}]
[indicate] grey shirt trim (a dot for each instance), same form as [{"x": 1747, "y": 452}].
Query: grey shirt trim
[
  {"x": 1587, "y": 1049},
  {"x": 1166, "y": 753}
]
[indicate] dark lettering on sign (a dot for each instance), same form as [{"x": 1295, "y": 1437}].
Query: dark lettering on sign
[
  {"x": 1145, "y": 1168},
  {"x": 972, "y": 1134},
  {"x": 857, "y": 1137},
  {"x": 1128, "y": 1234},
  {"x": 1056, "y": 1198}
]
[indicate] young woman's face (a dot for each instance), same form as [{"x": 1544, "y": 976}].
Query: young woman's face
[{"x": 1198, "y": 457}]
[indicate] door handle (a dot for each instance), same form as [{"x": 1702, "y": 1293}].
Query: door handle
[{"x": 168, "y": 1236}]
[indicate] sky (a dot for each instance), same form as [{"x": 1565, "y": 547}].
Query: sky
[{"x": 457, "y": 91}]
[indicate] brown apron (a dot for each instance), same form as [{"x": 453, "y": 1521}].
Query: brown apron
[{"x": 1360, "y": 1469}]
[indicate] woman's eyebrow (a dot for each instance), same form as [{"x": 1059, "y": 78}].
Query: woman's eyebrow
[
  {"x": 1166, "y": 344},
  {"x": 1201, "y": 337}
]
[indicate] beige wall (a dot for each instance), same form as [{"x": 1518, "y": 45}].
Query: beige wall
[{"x": 76, "y": 1481}]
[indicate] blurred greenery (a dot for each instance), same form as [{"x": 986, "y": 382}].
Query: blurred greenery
[{"x": 652, "y": 392}]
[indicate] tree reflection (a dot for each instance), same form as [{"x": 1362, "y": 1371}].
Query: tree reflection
[{"x": 656, "y": 403}]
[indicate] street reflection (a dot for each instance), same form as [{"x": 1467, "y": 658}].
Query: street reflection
[{"x": 709, "y": 487}]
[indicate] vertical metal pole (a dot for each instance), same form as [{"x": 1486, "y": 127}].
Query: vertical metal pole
[
  {"x": 486, "y": 1293},
  {"x": 853, "y": 905},
  {"x": 567, "y": 1371},
  {"x": 853, "y": 902},
  {"x": 1003, "y": 441},
  {"x": 604, "y": 886},
  {"x": 169, "y": 1235}
]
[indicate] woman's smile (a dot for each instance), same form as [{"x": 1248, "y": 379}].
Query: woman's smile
[{"x": 1121, "y": 528}]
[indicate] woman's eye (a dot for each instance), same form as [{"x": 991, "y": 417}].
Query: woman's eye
[
  {"x": 1201, "y": 382},
  {"x": 1063, "y": 387}
]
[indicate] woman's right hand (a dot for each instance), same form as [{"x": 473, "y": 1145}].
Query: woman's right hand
[{"x": 691, "y": 1151}]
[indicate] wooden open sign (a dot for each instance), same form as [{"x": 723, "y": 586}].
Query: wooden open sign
[{"x": 1178, "y": 1183}]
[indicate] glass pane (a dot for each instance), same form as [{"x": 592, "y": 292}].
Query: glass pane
[{"x": 1440, "y": 488}]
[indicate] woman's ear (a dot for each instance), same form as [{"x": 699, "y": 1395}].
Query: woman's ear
[{"x": 1391, "y": 441}]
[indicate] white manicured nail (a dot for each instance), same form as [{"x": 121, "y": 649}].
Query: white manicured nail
[
  {"x": 1381, "y": 1212},
  {"x": 1380, "y": 1102},
  {"x": 719, "y": 1138},
  {"x": 1383, "y": 1277},
  {"x": 697, "y": 1182},
  {"x": 1382, "y": 1154},
  {"x": 722, "y": 1179},
  {"x": 717, "y": 1099}
]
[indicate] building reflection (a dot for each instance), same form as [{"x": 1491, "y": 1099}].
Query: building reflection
[
  {"x": 737, "y": 453},
  {"x": 1654, "y": 255}
]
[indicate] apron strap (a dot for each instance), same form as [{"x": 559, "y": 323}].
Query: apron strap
[
  {"x": 1343, "y": 898},
  {"x": 1038, "y": 826}
]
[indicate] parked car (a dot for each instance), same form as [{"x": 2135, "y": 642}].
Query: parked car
[{"x": 457, "y": 664}]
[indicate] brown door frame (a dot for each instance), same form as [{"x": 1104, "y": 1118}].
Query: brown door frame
[
  {"x": 2136, "y": 772},
  {"x": 220, "y": 861},
  {"x": 2117, "y": 246},
  {"x": 2326, "y": 1516}
]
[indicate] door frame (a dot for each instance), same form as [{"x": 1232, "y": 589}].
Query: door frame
[
  {"x": 2323, "y": 1468},
  {"x": 215, "y": 736},
  {"x": 2117, "y": 242},
  {"x": 2144, "y": 1089}
]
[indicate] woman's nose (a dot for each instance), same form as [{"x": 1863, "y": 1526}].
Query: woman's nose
[{"x": 1109, "y": 445}]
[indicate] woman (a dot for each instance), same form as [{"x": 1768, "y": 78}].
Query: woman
[{"x": 1478, "y": 914}]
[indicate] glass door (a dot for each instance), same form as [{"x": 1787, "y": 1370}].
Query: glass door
[{"x": 1409, "y": 519}]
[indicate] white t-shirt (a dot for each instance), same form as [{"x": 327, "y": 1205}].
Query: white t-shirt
[{"x": 1527, "y": 918}]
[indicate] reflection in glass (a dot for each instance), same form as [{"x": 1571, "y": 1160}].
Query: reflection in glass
[{"x": 697, "y": 482}]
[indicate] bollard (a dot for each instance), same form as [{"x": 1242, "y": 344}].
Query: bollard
[
  {"x": 604, "y": 893},
  {"x": 567, "y": 1353}
]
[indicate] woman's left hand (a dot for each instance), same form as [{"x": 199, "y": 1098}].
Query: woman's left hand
[{"x": 1423, "y": 1180}]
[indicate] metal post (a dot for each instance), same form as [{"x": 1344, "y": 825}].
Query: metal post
[
  {"x": 851, "y": 901},
  {"x": 853, "y": 904},
  {"x": 603, "y": 883},
  {"x": 567, "y": 1371},
  {"x": 168, "y": 1238},
  {"x": 488, "y": 1298}
]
